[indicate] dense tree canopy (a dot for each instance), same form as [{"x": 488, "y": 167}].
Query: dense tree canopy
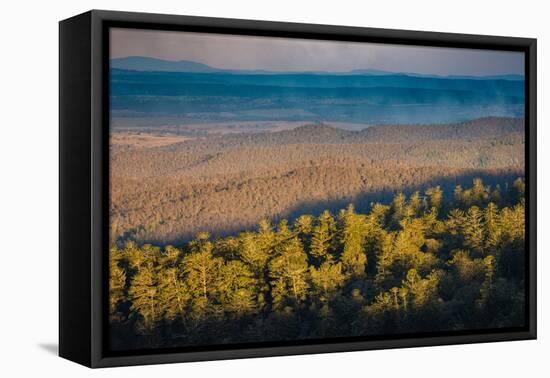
[{"x": 424, "y": 262}]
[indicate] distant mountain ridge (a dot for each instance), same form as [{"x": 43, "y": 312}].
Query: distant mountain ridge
[
  {"x": 148, "y": 87},
  {"x": 486, "y": 127},
  {"x": 142, "y": 63},
  {"x": 321, "y": 133}
]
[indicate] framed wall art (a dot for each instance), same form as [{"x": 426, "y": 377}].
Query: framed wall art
[{"x": 234, "y": 188}]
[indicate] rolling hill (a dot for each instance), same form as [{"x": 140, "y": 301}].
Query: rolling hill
[{"x": 227, "y": 183}]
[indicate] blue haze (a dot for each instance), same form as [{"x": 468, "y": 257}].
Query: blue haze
[{"x": 194, "y": 92}]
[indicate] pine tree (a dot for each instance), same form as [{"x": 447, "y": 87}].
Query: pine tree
[
  {"x": 514, "y": 219},
  {"x": 117, "y": 283},
  {"x": 459, "y": 195},
  {"x": 265, "y": 237},
  {"x": 143, "y": 293},
  {"x": 227, "y": 248},
  {"x": 473, "y": 230},
  {"x": 422, "y": 291},
  {"x": 134, "y": 255},
  {"x": 284, "y": 233},
  {"x": 326, "y": 281},
  {"x": 352, "y": 239},
  {"x": 170, "y": 257},
  {"x": 288, "y": 272},
  {"x": 200, "y": 242},
  {"x": 414, "y": 205},
  {"x": 384, "y": 256},
  {"x": 468, "y": 269},
  {"x": 519, "y": 187},
  {"x": 455, "y": 221},
  {"x": 251, "y": 252},
  {"x": 173, "y": 294},
  {"x": 398, "y": 209},
  {"x": 303, "y": 227},
  {"x": 235, "y": 285},
  {"x": 435, "y": 198},
  {"x": 201, "y": 269},
  {"x": 488, "y": 284},
  {"x": 379, "y": 214},
  {"x": 493, "y": 231},
  {"x": 322, "y": 238},
  {"x": 479, "y": 192}
]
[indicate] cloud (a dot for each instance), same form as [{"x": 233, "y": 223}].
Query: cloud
[{"x": 287, "y": 54}]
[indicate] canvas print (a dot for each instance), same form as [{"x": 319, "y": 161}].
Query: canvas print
[{"x": 276, "y": 190}]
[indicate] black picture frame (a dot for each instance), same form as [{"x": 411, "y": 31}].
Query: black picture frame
[{"x": 84, "y": 168}]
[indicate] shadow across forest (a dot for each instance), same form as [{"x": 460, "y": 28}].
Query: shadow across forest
[{"x": 362, "y": 202}]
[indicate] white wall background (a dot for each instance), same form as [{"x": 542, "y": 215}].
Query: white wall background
[{"x": 29, "y": 186}]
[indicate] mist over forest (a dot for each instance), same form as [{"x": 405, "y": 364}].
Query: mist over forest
[{"x": 207, "y": 95}]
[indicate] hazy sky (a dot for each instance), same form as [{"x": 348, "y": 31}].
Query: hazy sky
[{"x": 283, "y": 54}]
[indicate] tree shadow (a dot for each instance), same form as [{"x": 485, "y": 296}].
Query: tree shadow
[{"x": 363, "y": 200}]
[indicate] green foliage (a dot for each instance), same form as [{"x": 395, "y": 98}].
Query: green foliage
[
  {"x": 421, "y": 264},
  {"x": 472, "y": 229},
  {"x": 326, "y": 281},
  {"x": 323, "y": 234},
  {"x": 435, "y": 197},
  {"x": 235, "y": 286},
  {"x": 287, "y": 272},
  {"x": 173, "y": 294},
  {"x": 353, "y": 232},
  {"x": 143, "y": 293},
  {"x": 117, "y": 283}
]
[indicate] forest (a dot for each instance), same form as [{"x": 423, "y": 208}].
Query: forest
[
  {"x": 167, "y": 191},
  {"x": 427, "y": 261}
]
